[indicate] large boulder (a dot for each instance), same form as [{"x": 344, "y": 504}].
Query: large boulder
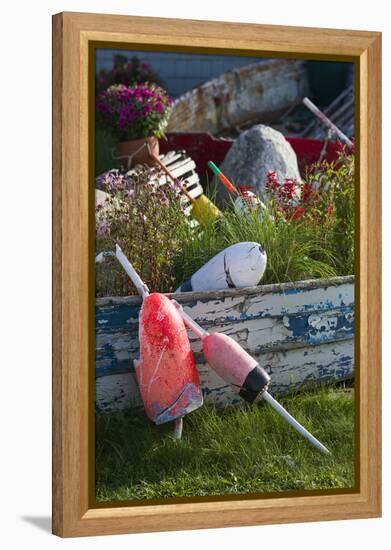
[{"x": 253, "y": 154}]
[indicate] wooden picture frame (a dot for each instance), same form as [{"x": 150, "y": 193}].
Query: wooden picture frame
[{"x": 74, "y": 513}]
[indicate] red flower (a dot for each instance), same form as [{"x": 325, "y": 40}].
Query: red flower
[
  {"x": 298, "y": 211},
  {"x": 307, "y": 193}
]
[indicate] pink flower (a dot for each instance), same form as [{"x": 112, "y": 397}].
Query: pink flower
[{"x": 134, "y": 112}]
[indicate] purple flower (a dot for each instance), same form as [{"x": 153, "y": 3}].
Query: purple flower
[
  {"x": 134, "y": 112},
  {"x": 114, "y": 181},
  {"x": 164, "y": 201},
  {"x": 129, "y": 194},
  {"x": 102, "y": 228}
]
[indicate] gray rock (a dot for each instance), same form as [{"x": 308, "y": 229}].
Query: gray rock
[{"x": 254, "y": 153}]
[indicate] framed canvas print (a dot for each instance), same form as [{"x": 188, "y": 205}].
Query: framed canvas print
[{"x": 216, "y": 268}]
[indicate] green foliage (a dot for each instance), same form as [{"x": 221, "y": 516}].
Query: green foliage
[
  {"x": 335, "y": 185},
  {"x": 295, "y": 251},
  {"x": 307, "y": 229},
  {"x": 145, "y": 219},
  {"x": 128, "y": 72},
  {"x": 317, "y": 243},
  {"x": 240, "y": 450},
  {"x": 105, "y": 144}
]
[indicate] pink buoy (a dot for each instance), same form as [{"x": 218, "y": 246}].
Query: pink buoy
[{"x": 234, "y": 365}]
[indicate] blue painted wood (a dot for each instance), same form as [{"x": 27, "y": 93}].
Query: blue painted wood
[{"x": 304, "y": 329}]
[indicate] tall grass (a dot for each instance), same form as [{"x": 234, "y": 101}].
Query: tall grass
[{"x": 295, "y": 251}]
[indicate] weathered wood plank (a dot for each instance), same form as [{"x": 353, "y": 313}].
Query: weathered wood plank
[
  {"x": 117, "y": 346},
  {"x": 260, "y": 290},
  {"x": 258, "y": 91},
  {"x": 284, "y": 302},
  {"x": 185, "y": 167},
  {"x": 301, "y": 332},
  {"x": 299, "y": 369},
  {"x": 236, "y": 306}
]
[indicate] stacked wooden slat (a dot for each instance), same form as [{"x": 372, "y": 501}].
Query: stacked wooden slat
[{"x": 181, "y": 166}]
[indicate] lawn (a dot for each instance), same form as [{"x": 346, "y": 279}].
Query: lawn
[{"x": 239, "y": 450}]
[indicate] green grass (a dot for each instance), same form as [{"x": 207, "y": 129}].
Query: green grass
[
  {"x": 240, "y": 450},
  {"x": 295, "y": 251}
]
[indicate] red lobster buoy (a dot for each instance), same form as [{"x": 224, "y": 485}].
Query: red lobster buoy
[{"x": 166, "y": 371}]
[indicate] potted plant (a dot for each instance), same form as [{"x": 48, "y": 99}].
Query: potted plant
[{"x": 135, "y": 115}]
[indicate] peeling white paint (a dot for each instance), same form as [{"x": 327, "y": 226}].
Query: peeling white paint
[{"x": 299, "y": 337}]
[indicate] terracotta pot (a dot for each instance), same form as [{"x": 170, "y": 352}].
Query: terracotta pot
[{"x": 132, "y": 152}]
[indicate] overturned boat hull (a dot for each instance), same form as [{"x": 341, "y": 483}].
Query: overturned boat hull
[
  {"x": 202, "y": 147},
  {"x": 259, "y": 91}
]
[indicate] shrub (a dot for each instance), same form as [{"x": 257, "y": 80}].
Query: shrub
[
  {"x": 145, "y": 219},
  {"x": 294, "y": 251},
  {"x": 324, "y": 199},
  {"x": 307, "y": 229}
]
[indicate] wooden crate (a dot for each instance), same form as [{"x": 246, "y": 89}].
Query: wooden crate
[{"x": 181, "y": 166}]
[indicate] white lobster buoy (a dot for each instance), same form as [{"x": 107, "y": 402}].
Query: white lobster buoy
[{"x": 238, "y": 266}]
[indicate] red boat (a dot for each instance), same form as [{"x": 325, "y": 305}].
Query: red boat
[{"x": 202, "y": 146}]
